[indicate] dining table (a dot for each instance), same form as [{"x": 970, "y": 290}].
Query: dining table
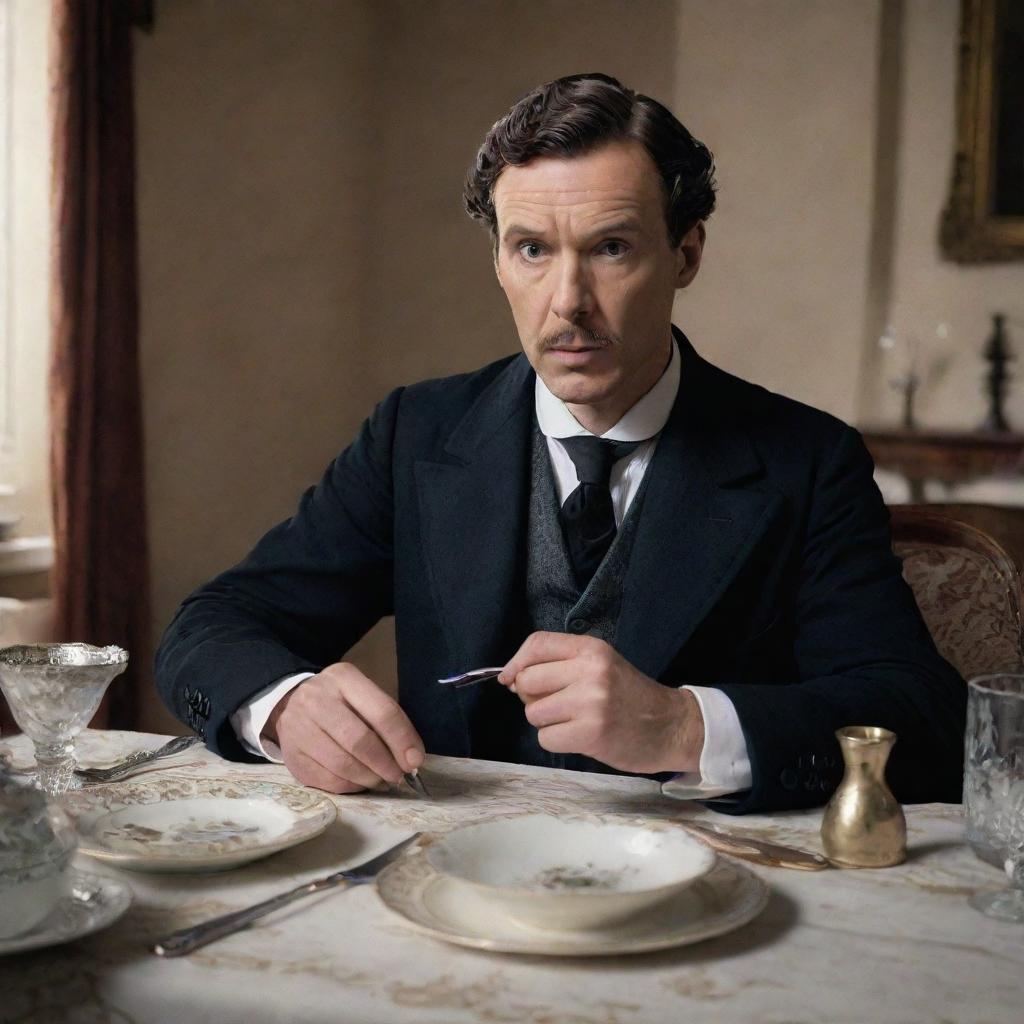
[{"x": 899, "y": 944}]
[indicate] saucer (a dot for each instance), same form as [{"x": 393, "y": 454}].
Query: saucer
[
  {"x": 92, "y": 903},
  {"x": 436, "y": 905},
  {"x": 176, "y": 823}
]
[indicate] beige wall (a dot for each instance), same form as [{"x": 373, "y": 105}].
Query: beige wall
[
  {"x": 253, "y": 165},
  {"x": 304, "y": 248},
  {"x": 784, "y": 94},
  {"x": 927, "y": 290}
]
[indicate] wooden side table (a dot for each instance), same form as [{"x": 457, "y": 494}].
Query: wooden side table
[{"x": 951, "y": 457}]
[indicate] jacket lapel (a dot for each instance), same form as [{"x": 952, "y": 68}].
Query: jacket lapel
[
  {"x": 473, "y": 509},
  {"x": 697, "y": 524}
]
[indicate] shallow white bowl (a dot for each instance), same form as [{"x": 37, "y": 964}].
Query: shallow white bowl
[{"x": 568, "y": 875}]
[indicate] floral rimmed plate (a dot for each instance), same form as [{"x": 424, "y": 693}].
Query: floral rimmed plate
[
  {"x": 437, "y": 905},
  {"x": 184, "y": 824},
  {"x": 91, "y": 903}
]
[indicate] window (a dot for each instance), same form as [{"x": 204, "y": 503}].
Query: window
[
  {"x": 24, "y": 263},
  {"x": 6, "y": 375}
]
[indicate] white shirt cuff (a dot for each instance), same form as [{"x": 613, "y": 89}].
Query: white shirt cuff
[
  {"x": 724, "y": 761},
  {"x": 250, "y": 718}
]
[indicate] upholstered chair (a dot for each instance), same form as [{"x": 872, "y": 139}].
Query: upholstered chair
[{"x": 967, "y": 584}]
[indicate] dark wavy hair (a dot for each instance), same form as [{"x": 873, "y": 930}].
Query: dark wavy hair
[{"x": 572, "y": 116}]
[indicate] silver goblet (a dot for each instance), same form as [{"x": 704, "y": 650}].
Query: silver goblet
[
  {"x": 53, "y": 691},
  {"x": 994, "y": 784}
]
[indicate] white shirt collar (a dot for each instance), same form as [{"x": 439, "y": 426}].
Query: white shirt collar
[{"x": 643, "y": 420}]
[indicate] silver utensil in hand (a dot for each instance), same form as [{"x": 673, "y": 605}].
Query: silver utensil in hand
[
  {"x": 189, "y": 939},
  {"x": 477, "y": 675},
  {"x": 136, "y": 760},
  {"x": 416, "y": 784}
]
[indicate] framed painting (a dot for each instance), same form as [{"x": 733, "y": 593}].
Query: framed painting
[{"x": 984, "y": 219}]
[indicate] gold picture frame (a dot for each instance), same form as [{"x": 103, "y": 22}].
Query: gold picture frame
[{"x": 984, "y": 219}]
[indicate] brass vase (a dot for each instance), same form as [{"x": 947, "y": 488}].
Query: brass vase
[{"x": 864, "y": 825}]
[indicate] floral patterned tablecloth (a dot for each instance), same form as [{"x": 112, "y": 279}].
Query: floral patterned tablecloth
[{"x": 895, "y": 945}]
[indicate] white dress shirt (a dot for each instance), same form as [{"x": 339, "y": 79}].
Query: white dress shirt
[{"x": 724, "y": 761}]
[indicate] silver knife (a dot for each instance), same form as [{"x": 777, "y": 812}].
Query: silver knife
[
  {"x": 189, "y": 939},
  {"x": 760, "y": 851}
]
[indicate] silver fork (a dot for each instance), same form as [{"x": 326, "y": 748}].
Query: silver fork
[{"x": 136, "y": 760}]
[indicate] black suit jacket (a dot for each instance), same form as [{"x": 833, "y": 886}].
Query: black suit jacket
[{"x": 762, "y": 566}]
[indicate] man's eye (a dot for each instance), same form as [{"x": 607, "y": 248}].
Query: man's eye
[
  {"x": 615, "y": 248},
  {"x": 530, "y": 250}
]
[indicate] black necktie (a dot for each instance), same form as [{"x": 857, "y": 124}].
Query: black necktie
[{"x": 588, "y": 518}]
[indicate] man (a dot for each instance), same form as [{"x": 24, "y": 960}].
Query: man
[{"x": 680, "y": 572}]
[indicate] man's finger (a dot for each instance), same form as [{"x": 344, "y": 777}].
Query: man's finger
[
  {"x": 323, "y": 748},
  {"x": 539, "y": 648},
  {"x": 538, "y": 681},
  {"x": 342, "y": 723},
  {"x": 383, "y": 714},
  {"x": 562, "y": 738},
  {"x": 551, "y": 710},
  {"x": 312, "y": 773}
]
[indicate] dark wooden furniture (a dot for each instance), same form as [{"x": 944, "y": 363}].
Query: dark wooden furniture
[{"x": 951, "y": 457}]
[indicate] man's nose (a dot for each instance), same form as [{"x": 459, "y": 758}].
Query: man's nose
[{"x": 573, "y": 297}]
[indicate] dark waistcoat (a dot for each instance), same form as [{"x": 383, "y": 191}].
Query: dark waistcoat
[{"x": 553, "y": 600}]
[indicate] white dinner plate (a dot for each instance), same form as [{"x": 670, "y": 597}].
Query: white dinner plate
[
  {"x": 176, "y": 823},
  {"x": 92, "y": 903},
  {"x": 440, "y": 907}
]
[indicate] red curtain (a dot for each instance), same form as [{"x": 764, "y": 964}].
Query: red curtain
[{"x": 101, "y": 573}]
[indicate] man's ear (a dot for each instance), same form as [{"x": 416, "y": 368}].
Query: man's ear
[{"x": 691, "y": 249}]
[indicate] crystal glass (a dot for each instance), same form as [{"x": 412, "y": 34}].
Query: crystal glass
[
  {"x": 53, "y": 691},
  {"x": 994, "y": 784}
]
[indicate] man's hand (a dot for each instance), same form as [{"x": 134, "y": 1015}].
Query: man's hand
[
  {"x": 340, "y": 732},
  {"x": 585, "y": 698}
]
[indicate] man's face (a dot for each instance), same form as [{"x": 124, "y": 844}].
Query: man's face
[{"x": 584, "y": 259}]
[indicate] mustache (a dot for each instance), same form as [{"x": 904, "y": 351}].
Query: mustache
[{"x": 589, "y": 337}]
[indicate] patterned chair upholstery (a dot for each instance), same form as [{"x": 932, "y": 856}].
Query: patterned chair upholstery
[{"x": 967, "y": 585}]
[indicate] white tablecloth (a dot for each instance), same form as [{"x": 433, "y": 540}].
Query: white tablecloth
[{"x": 894, "y": 945}]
